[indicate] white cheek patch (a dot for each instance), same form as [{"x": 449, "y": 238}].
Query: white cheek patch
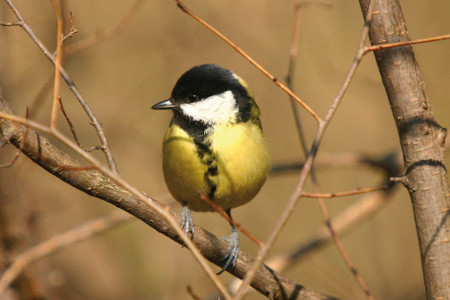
[{"x": 212, "y": 110}]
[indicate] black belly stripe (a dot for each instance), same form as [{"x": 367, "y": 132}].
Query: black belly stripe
[
  {"x": 212, "y": 170},
  {"x": 207, "y": 157}
]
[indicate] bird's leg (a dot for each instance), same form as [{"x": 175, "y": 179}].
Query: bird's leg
[
  {"x": 231, "y": 256},
  {"x": 186, "y": 221}
]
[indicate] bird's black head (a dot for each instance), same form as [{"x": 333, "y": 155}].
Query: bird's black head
[
  {"x": 208, "y": 94},
  {"x": 204, "y": 81}
]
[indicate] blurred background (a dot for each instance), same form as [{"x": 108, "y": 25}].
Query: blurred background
[{"x": 122, "y": 76}]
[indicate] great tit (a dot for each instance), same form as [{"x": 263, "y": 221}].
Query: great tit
[{"x": 215, "y": 145}]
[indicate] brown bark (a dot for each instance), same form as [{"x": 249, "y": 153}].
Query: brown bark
[{"x": 422, "y": 141}]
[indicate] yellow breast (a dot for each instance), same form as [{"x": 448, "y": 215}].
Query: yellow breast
[{"x": 231, "y": 171}]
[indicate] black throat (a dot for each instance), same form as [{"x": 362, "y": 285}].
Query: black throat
[{"x": 195, "y": 129}]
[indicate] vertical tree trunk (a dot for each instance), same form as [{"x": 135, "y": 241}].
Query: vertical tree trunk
[{"x": 422, "y": 141}]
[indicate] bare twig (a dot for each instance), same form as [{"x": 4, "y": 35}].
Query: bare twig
[
  {"x": 72, "y": 130},
  {"x": 356, "y": 213},
  {"x": 58, "y": 60},
  {"x": 343, "y": 194},
  {"x": 293, "y": 50},
  {"x": 59, "y": 241},
  {"x": 358, "y": 57},
  {"x": 346, "y": 257},
  {"x": 105, "y": 144},
  {"x": 72, "y": 30},
  {"x": 250, "y": 59},
  {"x": 407, "y": 43},
  {"x": 292, "y": 56},
  {"x": 10, "y": 24},
  {"x": 227, "y": 217},
  {"x": 353, "y": 215},
  {"x": 308, "y": 163}
]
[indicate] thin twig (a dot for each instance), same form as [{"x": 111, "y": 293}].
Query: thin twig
[
  {"x": 406, "y": 43},
  {"x": 337, "y": 241},
  {"x": 227, "y": 217},
  {"x": 293, "y": 50},
  {"x": 58, "y": 242},
  {"x": 358, "y": 57},
  {"x": 292, "y": 56},
  {"x": 308, "y": 163},
  {"x": 10, "y": 24},
  {"x": 250, "y": 59},
  {"x": 72, "y": 129},
  {"x": 105, "y": 144},
  {"x": 343, "y": 194},
  {"x": 90, "y": 149},
  {"x": 349, "y": 218},
  {"x": 72, "y": 30},
  {"x": 74, "y": 134},
  {"x": 58, "y": 60},
  {"x": 353, "y": 215}
]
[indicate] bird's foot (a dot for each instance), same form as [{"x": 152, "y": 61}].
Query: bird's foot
[
  {"x": 231, "y": 256},
  {"x": 186, "y": 221}
]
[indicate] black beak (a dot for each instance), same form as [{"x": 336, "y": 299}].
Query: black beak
[{"x": 166, "y": 104}]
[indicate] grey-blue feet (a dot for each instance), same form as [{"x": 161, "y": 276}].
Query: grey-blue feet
[
  {"x": 186, "y": 221},
  {"x": 231, "y": 256}
]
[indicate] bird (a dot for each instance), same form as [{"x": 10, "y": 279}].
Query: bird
[{"x": 214, "y": 145}]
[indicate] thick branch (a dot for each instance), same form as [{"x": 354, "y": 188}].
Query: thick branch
[
  {"x": 422, "y": 141},
  {"x": 42, "y": 152}
]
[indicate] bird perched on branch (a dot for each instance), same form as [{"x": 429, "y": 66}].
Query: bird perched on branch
[{"x": 214, "y": 145}]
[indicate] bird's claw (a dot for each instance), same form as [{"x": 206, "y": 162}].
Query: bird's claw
[{"x": 231, "y": 256}]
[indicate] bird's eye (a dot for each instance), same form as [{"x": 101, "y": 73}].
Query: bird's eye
[{"x": 193, "y": 98}]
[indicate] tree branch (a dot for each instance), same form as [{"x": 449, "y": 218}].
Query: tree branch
[{"x": 422, "y": 140}]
